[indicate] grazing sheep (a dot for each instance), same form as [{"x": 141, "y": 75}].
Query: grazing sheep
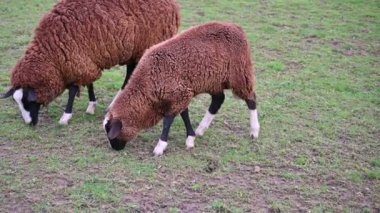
[
  {"x": 204, "y": 59},
  {"x": 77, "y": 39}
]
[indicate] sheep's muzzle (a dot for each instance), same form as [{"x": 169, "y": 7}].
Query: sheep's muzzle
[{"x": 117, "y": 144}]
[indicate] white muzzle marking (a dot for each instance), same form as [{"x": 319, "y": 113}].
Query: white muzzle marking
[
  {"x": 105, "y": 121},
  {"x": 17, "y": 95}
]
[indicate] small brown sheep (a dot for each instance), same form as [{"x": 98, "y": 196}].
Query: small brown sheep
[
  {"x": 204, "y": 59},
  {"x": 76, "y": 40}
]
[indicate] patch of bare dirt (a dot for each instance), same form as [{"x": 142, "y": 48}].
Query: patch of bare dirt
[
  {"x": 311, "y": 42},
  {"x": 235, "y": 129},
  {"x": 271, "y": 54},
  {"x": 58, "y": 182},
  {"x": 14, "y": 202},
  {"x": 264, "y": 4},
  {"x": 285, "y": 26},
  {"x": 313, "y": 39},
  {"x": 213, "y": 187},
  {"x": 143, "y": 201},
  {"x": 5, "y": 148},
  {"x": 353, "y": 48},
  {"x": 248, "y": 188},
  {"x": 200, "y": 13},
  {"x": 293, "y": 67},
  {"x": 211, "y": 166}
]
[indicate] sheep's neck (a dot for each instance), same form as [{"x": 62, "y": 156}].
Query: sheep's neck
[{"x": 140, "y": 110}]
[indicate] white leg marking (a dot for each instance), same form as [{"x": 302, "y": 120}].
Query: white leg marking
[
  {"x": 105, "y": 121},
  {"x": 160, "y": 148},
  {"x": 113, "y": 100},
  {"x": 65, "y": 118},
  {"x": 17, "y": 95},
  {"x": 205, "y": 123},
  {"x": 91, "y": 107},
  {"x": 190, "y": 142},
  {"x": 254, "y": 121}
]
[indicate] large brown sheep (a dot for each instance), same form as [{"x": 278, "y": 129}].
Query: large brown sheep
[
  {"x": 204, "y": 59},
  {"x": 77, "y": 39}
]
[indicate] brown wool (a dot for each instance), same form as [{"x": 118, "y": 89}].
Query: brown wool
[
  {"x": 204, "y": 59},
  {"x": 76, "y": 40}
]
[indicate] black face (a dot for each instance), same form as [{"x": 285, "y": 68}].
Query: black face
[
  {"x": 116, "y": 144},
  {"x": 29, "y": 102}
]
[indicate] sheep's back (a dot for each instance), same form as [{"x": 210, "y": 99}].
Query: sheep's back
[
  {"x": 206, "y": 58},
  {"x": 85, "y": 37}
]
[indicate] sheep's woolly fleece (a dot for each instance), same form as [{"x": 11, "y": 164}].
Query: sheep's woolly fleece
[
  {"x": 76, "y": 40},
  {"x": 204, "y": 59}
]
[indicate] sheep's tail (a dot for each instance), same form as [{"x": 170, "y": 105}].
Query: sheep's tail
[
  {"x": 244, "y": 90},
  {"x": 243, "y": 81}
]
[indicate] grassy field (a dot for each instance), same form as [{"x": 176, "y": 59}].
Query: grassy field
[{"x": 318, "y": 86}]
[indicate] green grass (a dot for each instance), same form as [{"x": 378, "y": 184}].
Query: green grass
[
  {"x": 280, "y": 206},
  {"x": 317, "y": 67},
  {"x": 375, "y": 162},
  {"x": 220, "y": 207},
  {"x": 355, "y": 177},
  {"x": 93, "y": 190},
  {"x": 196, "y": 187},
  {"x": 373, "y": 174}
]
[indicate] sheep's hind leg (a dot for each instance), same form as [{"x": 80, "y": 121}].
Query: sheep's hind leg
[
  {"x": 216, "y": 103},
  {"x": 253, "y": 117},
  {"x": 73, "y": 90},
  {"x": 163, "y": 142},
  {"x": 92, "y": 103},
  {"x": 189, "y": 129},
  {"x": 130, "y": 68}
]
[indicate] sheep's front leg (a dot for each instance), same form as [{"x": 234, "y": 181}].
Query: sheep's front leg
[
  {"x": 73, "y": 90},
  {"x": 163, "y": 142},
  {"x": 216, "y": 103},
  {"x": 189, "y": 129},
  {"x": 92, "y": 100}
]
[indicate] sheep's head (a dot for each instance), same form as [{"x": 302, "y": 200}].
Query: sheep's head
[
  {"x": 34, "y": 83},
  {"x": 26, "y": 99},
  {"x": 119, "y": 133},
  {"x": 130, "y": 113}
]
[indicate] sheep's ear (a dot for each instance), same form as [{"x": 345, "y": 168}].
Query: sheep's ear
[
  {"x": 32, "y": 96},
  {"x": 115, "y": 129},
  {"x": 8, "y": 94}
]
